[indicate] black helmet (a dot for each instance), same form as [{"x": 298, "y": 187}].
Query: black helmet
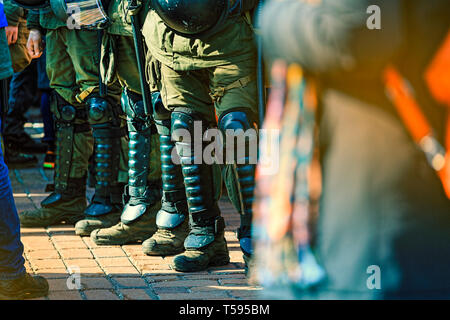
[
  {"x": 192, "y": 18},
  {"x": 31, "y": 4}
]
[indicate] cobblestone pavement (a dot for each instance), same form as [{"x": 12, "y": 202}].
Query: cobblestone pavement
[{"x": 117, "y": 272}]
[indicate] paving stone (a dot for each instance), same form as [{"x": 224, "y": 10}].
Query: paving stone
[
  {"x": 130, "y": 282},
  {"x": 158, "y": 278},
  {"x": 158, "y": 272},
  {"x": 53, "y": 273},
  {"x": 132, "y": 249},
  {"x": 80, "y": 263},
  {"x": 80, "y": 253},
  {"x": 143, "y": 263},
  {"x": 91, "y": 244},
  {"x": 66, "y": 238},
  {"x": 234, "y": 281},
  {"x": 60, "y": 245},
  {"x": 43, "y": 254},
  {"x": 121, "y": 271},
  {"x": 108, "y": 252},
  {"x": 206, "y": 276},
  {"x": 65, "y": 295},
  {"x": 135, "y": 294},
  {"x": 100, "y": 295},
  {"x": 115, "y": 262},
  {"x": 154, "y": 268},
  {"x": 91, "y": 271},
  {"x": 59, "y": 284},
  {"x": 186, "y": 283},
  {"x": 47, "y": 264},
  {"x": 164, "y": 290},
  {"x": 96, "y": 283},
  {"x": 35, "y": 239}
]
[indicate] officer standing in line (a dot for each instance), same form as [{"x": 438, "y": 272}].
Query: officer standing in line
[
  {"x": 143, "y": 194},
  {"x": 78, "y": 105},
  {"x": 207, "y": 68}
]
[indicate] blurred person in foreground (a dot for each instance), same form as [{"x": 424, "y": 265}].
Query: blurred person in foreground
[
  {"x": 15, "y": 282},
  {"x": 383, "y": 230}
]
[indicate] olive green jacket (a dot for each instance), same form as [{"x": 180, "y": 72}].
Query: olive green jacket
[{"x": 233, "y": 43}]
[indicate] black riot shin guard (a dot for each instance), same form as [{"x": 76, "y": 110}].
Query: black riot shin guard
[
  {"x": 240, "y": 137},
  {"x": 174, "y": 208},
  {"x": 204, "y": 214},
  {"x": 139, "y": 194},
  {"x": 104, "y": 118},
  {"x": 69, "y": 121}
]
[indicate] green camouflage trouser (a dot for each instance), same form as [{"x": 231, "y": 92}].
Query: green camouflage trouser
[
  {"x": 119, "y": 63},
  {"x": 211, "y": 92},
  {"x": 72, "y": 67}
]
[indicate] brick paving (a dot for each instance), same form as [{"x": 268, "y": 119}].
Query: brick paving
[{"x": 117, "y": 272}]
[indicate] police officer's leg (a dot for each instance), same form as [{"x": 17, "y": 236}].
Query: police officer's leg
[
  {"x": 234, "y": 90},
  {"x": 205, "y": 245},
  {"x": 142, "y": 197},
  {"x": 74, "y": 138},
  {"x": 73, "y": 147},
  {"x": 142, "y": 194},
  {"x": 240, "y": 176},
  {"x": 171, "y": 219},
  {"x": 109, "y": 133},
  {"x": 187, "y": 94}
]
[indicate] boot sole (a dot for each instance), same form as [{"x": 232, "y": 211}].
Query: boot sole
[
  {"x": 217, "y": 261},
  {"x": 83, "y": 233},
  {"x": 119, "y": 243},
  {"x": 86, "y": 232},
  {"x": 69, "y": 219},
  {"x": 163, "y": 252}
]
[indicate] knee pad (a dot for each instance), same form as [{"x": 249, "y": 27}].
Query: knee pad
[
  {"x": 65, "y": 113},
  {"x": 234, "y": 120},
  {"x": 101, "y": 111},
  {"x": 181, "y": 121},
  {"x": 244, "y": 165},
  {"x": 198, "y": 176},
  {"x": 238, "y": 122}
]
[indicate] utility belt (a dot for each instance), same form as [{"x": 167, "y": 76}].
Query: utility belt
[{"x": 437, "y": 77}]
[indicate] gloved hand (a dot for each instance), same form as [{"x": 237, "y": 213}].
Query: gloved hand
[{"x": 35, "y": 44}]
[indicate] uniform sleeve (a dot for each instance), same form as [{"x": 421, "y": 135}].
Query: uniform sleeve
[
  {"x": 324, "y": 35},
  {"x": 13, "y": 13}
]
